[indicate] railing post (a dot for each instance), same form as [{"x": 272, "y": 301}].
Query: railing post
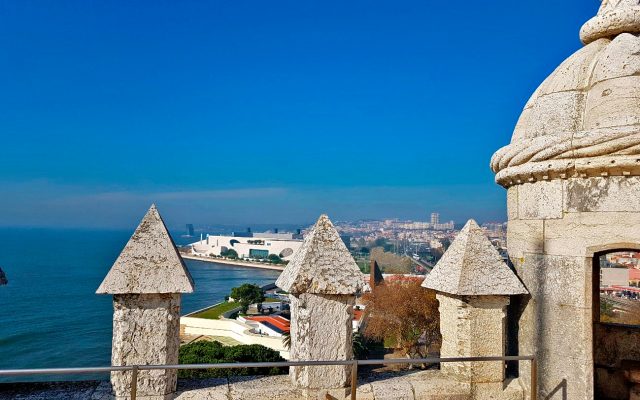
[
  {"x": 354, "y": 379},
  {"x": 534, "y": 379},
  {"x": 134, "y": 382}
]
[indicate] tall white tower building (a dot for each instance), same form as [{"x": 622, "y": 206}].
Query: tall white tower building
[{"x": 435, "y": 218}]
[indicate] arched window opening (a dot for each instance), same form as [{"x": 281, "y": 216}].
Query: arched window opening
[{"x": 618, "y": 284}]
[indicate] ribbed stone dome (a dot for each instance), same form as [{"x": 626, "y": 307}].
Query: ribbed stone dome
[{"x": 584, "y": 120}]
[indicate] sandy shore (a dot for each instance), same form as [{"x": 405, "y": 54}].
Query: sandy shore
[{"x": 237, "y": 263}]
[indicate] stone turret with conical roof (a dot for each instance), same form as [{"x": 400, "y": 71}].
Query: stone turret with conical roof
[
  {"x": 473, "y": 286},
  {"x": 146, "y": 281},
  {"x": 322, "y": 279},
  {"x": 472, "y": 266},
  {"x": 149, "y": 263},
  {"x": 572, "y": 173}
]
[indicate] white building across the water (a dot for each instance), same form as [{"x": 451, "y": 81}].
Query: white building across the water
[{"x": 250, "y": 245}]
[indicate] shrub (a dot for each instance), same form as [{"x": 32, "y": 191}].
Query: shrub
[
  {"x": 231, "y": 253},
  {"x": 215, "y": 353}
]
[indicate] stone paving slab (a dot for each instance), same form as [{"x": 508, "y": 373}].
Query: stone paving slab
[{"x": 406, "y": 385}]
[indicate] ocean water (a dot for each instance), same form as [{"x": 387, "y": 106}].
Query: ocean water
[{"x": 50, "y": 315}]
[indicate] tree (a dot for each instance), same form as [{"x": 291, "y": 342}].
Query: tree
[
  {"x": 274, "y": 258},
  {"x": 231, "y": 253},
  {"x": 204, "y": 352},
  {"x": 403, "y": 312},
  {"x": 247, "y": 294},
  {"x": 391, "y": 263}
]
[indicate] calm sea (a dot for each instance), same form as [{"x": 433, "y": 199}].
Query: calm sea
[{"x": 50, "y": 315}]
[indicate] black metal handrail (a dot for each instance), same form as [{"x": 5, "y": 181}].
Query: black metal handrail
[{"x": 353, "y": 363}]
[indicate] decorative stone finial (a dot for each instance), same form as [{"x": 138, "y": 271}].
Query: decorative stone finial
[
  {"x": 614, "y": 17},
  {"x": 149, "y": 263},
  {"x": 473, "y": 267},
  {"x": 322, "y": 265}
]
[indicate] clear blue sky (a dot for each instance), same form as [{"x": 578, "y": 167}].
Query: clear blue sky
[{"x": 266, "y": 111}]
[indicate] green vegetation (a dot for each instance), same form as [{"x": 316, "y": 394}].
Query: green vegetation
[
  {"x": 247, "y": 294},
  {"x": 231, "y": 253},
  {"x": 271, "y": 300},
  {"x": 216, "y": 311},
  {"x": 360, "y": 346},
  {"x": 215, "y": 353}
]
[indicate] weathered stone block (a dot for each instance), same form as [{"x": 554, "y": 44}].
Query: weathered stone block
[
  {"x": 524, "y": 236},
  {"x": 562, "y": 378},
  {"x": 578, "y": 234},
  {"x": 558, "y": 280},
  {"x": 614, "y": 102},
  {"x": 622, "y": 57},
  {"x": 540, "y": 200},
  {"x": 435, "y": 385},
  {"x": 321, "y": 329},
  {"x": 267, "y": 387},
  {"x": 203, "y": 389},
  {"x": 614, "y": 193},
  {"x": 145, "y": 332},
  {"x": 473, "y": 326},
  {"x": 392, "y": 389},
  {"x": 512, "y": 203}
]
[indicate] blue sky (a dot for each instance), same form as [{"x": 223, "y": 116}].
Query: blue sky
[{"x": 266, "y": 111}]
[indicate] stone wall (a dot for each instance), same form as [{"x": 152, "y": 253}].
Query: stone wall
[
  {"x": 470, "y": 327},
  {"x": 321, "y": 330},
  {"x": 145, "y": 329},
  {"x": 554, "y": 229}
]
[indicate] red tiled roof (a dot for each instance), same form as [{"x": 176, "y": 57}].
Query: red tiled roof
[{"x": 279, "y": 322}]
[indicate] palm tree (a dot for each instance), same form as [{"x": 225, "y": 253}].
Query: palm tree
[{"x": 286, "y": 340}]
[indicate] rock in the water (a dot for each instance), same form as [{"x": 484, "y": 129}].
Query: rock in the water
[{"x": 3, "y": 278}]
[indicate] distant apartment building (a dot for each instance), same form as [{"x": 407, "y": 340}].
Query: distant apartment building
[
  {"x": 435, "y": 219},
  {"x": 614, "y": 277},
  {"x": 444, "y": 226},
  {"x": 250, "y": 245}
]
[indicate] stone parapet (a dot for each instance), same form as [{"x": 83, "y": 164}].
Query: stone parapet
[{"x": 411, "y": 385}]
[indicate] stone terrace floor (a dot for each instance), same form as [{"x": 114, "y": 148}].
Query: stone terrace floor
[{"x": 380, "y": 386}]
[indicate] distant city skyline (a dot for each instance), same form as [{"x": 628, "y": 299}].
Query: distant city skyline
[{"x": 262, "y": 113}]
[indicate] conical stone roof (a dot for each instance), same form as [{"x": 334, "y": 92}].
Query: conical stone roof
[
  {"x": 471, "y": 266},
  {"x": 322, "y": 265},
  {"x": 149, "y": 263}
]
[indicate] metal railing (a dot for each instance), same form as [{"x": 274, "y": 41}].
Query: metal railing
[{"x": 353, "y": 363}]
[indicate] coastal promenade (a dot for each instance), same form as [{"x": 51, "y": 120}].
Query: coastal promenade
[{"x": 238, "y": 263}]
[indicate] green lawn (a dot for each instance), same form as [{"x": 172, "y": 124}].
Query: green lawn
[
  {"x": 271, "y": 300},
  {"x": 217, "y": 311}
]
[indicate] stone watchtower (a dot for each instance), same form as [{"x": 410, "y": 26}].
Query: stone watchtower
[
  {"x": 146, "y": 281},
  {"x": 322, "y": 280},
  {"x": 473, "y": 286},
  {"x": 572, "y": 173}
]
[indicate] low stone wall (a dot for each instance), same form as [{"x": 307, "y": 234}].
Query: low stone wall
[
  {"x": 411, "y": 385},
  {"x": 230, "y": 328}
]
